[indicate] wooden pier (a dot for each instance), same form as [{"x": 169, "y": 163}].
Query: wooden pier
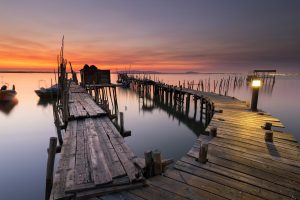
[
  {"x": 240, "y": 155},
  {"x": 94, "y": 158},
  {"x": 246, "y": 157}
]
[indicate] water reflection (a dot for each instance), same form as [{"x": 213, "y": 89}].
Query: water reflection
[
  {"x": 148, "y": 102},
  {"x": 7, "y": 106},
  {"x": 44, "y": 102},
  {"x": 183, "y": 117}
]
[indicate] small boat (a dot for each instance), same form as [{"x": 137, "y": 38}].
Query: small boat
[
  {"x": 6, "y": 94},
  {"x": 125, "y": 84},
  {"x": 51, "y": 92}
]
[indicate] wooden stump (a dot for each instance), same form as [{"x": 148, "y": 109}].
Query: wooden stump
[
  {"x": 203, "y": 153},
  {"x": 268, "y": 126},
  {"x": 148, "y": 164},
  {"x": 156, "y": 155},
  {"x": 269, "y": 136},
  {"x": 213, "y": 132}
]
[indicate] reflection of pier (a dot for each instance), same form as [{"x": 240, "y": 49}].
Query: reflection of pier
[
  {"x": 44, "y": 102},
  {"x": 177, "y": 99},
  {"x": 182, "y": 116}
]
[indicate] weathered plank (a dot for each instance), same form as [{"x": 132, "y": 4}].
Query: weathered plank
[{"x": 100, "y": 171}]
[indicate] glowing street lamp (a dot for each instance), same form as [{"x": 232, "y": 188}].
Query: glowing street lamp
[{"x": 255, "y": 89}]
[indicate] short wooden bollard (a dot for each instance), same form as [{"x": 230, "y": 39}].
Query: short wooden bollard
[
  {"x": 203, "y": 153},
  {"x": 269, "y": 136},
  {"x": 148, "y": 164},
  {"x": 268, "y": 126},
  {"x": 213, "y": 132},
  {"x": 121, "y": 122},
  {"x": 156, "y": 155},
  {"x": 50, "y": 166}
]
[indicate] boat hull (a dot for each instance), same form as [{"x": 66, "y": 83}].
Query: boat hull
[
  {"x": 7, "y": 95},
  {"x": 48, "y": 95}
]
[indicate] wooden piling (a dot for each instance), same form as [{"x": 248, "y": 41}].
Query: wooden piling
[
  {"x": 213, "y": 132},
  {"x": 195, "y": 106},
  {"x": 156, "y": 155},
  {"x": 268, "y": 126},
  {"x": 121, "y": 122},
  {"x": 269, "y": 136},
  {"x": 203, "y": 153},
  {"x": 148, "y": 164},
  {"x": 201, "y": 109},
  {"x": 187, "y": 104},
  {"x": 50, "y": 166}
]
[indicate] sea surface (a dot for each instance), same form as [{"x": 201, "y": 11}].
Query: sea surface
[{"x": 26, "y": 124}]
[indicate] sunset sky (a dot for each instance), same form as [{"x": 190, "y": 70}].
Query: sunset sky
[{"x": 157, "y": 35}]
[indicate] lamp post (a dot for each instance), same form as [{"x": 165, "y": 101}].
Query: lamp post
[{"x": 255, "y": 89}]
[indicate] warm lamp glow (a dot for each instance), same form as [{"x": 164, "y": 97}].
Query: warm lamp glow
[{"x": 256, "y": 83}]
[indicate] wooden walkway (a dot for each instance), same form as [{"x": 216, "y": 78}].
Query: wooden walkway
[
  {"x": 241, "y": 164},
  {"x": 94, "y": 158},
  {"x": 81, "y": 105}
]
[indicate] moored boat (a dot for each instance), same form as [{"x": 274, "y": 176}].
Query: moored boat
[
  {"x": 125, "y": 84},
  {"x": 51, "y": 92},
  {"x": 6, "y": 94}
]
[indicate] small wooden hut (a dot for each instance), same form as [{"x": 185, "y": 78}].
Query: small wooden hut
[{"x": 92, "y": 75}]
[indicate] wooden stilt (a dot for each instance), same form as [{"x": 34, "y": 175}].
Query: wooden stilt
[
  {"x": 156, "y": 155},
  {"x": 149, "y": 164},
  {"x": 121, "y": 122},
  {"x": 50, "y": 166}
]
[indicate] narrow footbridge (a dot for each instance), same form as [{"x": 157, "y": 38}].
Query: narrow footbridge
[{"x": 94, "y": 158}]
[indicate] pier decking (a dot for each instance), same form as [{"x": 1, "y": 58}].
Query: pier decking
[
  {"x": 94, "y": 157},
  {"x": 241, "y": 164}
]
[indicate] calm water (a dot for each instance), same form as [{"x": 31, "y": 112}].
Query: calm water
[{"x": 27, "y": 124}]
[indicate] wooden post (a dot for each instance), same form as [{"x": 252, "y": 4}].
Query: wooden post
[
  {"x": 171, "y": 98},
  {"x": 167, "y": 97},
  {"x": 195, "y": 106},
  {"x": 213, "y": 132},
  {"x": 57, "y": 124},
  {"x": 269, "y": 136},
  {"x": 187, "y": 104},
  {"x": 206, "y": 112},
  {"x": 201, "y": 108},
  {"x": 50, "y": 166},
  {"x": 121, "y": 122},
  {"x": 148, "y": 164},
  {"x": 156, "y": 155},
  {"x": 268, "y": 126},
  {"x": 203, "y": 153}
]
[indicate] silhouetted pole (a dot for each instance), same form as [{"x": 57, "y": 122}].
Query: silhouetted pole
[
  {"x": 254, "y": 100},
  {"x": 255, "y": 90}
]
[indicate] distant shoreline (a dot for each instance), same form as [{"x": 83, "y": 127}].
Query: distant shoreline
[
  {"x": 48, "y": 72},
  {"x": 24, "y": 72}
]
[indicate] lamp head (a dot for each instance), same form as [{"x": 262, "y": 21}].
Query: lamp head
[{"x": 256, "y": 83}]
